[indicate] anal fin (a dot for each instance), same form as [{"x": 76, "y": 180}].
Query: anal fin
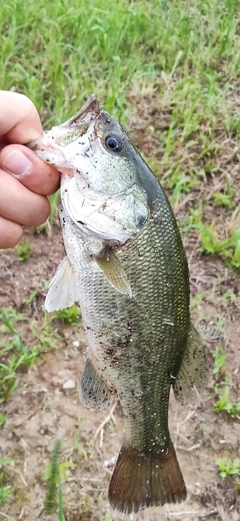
[
  {"x": 142, "y": 480},
  {"x": 94, "y": 391},
  {"x": 193, "y": 370},
  {"x": 112, "y": 269}
]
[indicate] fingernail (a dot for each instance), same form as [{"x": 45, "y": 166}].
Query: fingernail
[{"x": 16, "y": 163}]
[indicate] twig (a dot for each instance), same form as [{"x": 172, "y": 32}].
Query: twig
[
  {"x": 7, "y": 517},
  {"x": 189, "y": 415},
  {"x": 193, "y": 447},
  {"x": 21, "y": 477},
  {"x": 190, "y": 512},
  {"x": 104, "y": 422}
]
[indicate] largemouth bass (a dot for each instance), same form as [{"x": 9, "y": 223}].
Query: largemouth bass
[{"x": 126, "y": 267}]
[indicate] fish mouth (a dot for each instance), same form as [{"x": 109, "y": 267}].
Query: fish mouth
[
  {"x": 89, "y": 112},
  {"x": 79, "y": 124},
  {"x": 75, "y": 127}
]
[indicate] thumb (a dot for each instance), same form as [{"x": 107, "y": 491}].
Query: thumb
[{"x": 29, "y": 169}]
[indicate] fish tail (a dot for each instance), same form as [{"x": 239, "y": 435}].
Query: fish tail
[{"x": 142, "y": 480}]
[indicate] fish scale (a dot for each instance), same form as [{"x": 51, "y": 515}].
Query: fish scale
[{"x": 126, "y": 267}]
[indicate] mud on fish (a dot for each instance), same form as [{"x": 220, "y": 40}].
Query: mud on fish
[{"x": 126, "y": 267}]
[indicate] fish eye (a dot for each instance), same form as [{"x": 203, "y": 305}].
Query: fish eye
[{"x": 114, "y": 143}]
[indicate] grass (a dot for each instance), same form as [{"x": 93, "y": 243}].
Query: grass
[
  {"x": 55, "y": 473},
  {"x": 186, "y": 74},
  {"x": 70, "y": 315},
  {"x": 223, "y": 386},
  {"x": 5, "y": 490},
  {"x": 17, "y": 353},
  {"x": 67, "y": 51},
  {"x": 223, "y": 403},
  {"x": 228, "y": 468},
  {"x": 53, "y": 477},
  {"x": 23, "y": 250}
]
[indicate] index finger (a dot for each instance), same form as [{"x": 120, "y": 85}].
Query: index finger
[{"x": 19, "y": 122}]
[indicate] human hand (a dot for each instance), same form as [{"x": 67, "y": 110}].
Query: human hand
[{"x": 25, "y": 180}]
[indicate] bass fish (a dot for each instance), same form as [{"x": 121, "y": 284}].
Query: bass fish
[{"x": 126, "y": 267}]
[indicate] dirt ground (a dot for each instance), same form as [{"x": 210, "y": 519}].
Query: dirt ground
[{"x": 45, "y": 406}]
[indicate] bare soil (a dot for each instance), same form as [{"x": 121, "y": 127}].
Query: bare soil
[{"x": 42, "y": 409}]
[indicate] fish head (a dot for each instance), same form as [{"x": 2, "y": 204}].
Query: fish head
[{"x": 101, "y": 188}]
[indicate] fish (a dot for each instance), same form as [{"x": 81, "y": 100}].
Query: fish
[{"x": 126, "y": 267}]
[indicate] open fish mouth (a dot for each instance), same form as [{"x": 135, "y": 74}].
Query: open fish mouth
[
  {"x": 79, "y": 124},
  {"x": 75, "y": 127},
  {"x": 89, "y": 112}
]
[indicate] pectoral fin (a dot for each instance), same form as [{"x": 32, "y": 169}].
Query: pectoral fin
[
  {"x": 94, "y": 390},
  {"x": 62, "y": 290},
  {"x": 193, "y": 370},
  {"x": 112, "y": 269}
]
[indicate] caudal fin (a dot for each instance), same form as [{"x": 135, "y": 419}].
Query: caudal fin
[{"x": 143, "y": 480}]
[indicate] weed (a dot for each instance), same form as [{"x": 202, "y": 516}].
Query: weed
[
  {"x": 53, "y": 474},
  {"x": 221, "y": 199},
  {"x": 44, "y": 334},
  {"x": 32, "y": 297},
  {"x": 207, "y": 433},
  {"x": 224, "y": 404},
  {"x": 222, "y": 401},
  {"x": 219, "y": 359},
  {"x": 2, "y": 419},
  {"x": 224, "y": 198},
  {"x": 5, "y": 493},
  {"x": 54, "y": 200},
  {"x": 5, "y": 490},
  {"x": 8, "y": 381},
  {"x": 111, "y": 425},
  {"x": 37, "y": 230},
  {"x": 69, "y": 315},
  {"x": 80, "y": 423},
  {"x": 24, "y": 250},
  {"x": 228, "y": 468},
  {"x": 79, "y": 446},
  {"x": 17, "y": 355},
  {"x": 228, "y": 297},
  {"x": 10, "y": 315},
  {"x": 228, "y": 248},
  {"x": 181, "y": 184}
]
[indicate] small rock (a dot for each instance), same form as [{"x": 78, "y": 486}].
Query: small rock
[
  {"x": 76, "y": 343},
  {"x": 69, "y": 384},
  {"x": 110, "y": 462}
]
